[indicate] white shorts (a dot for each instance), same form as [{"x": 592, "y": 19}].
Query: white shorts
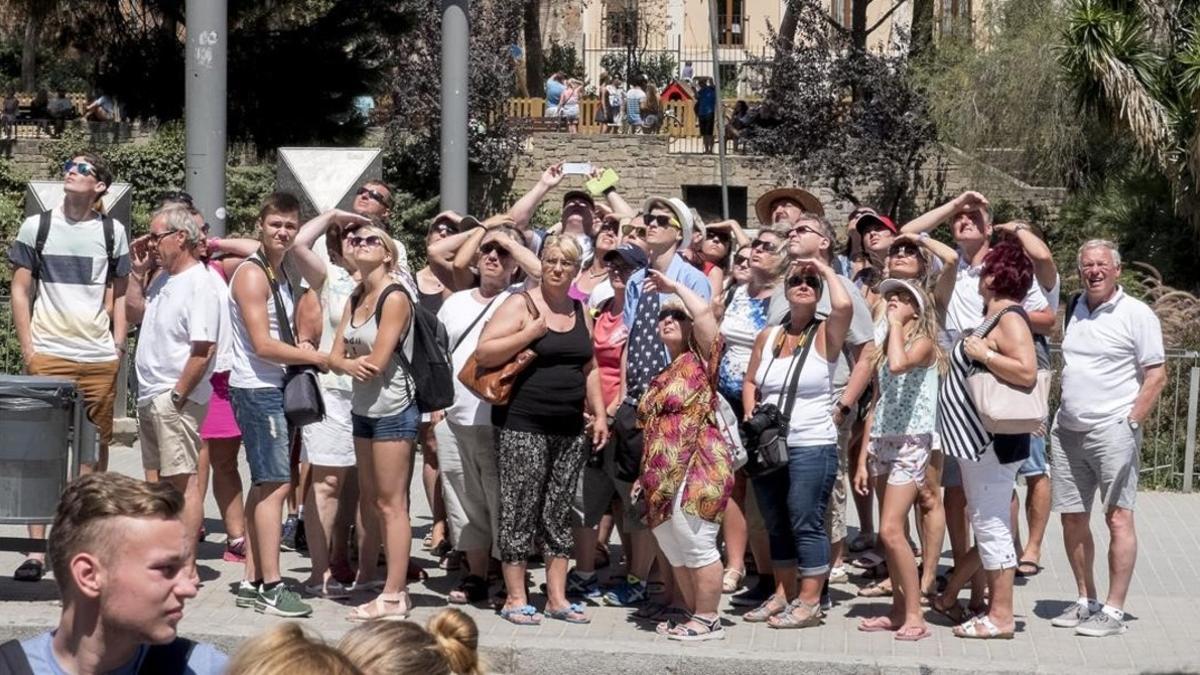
[
  {"x": 330, "y": 442},
  {"x": 989, "y": 485},
  {"x": 687, "y": 541}
]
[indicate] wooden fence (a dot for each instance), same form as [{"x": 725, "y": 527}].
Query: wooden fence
[{"x": 686, "y": 126}]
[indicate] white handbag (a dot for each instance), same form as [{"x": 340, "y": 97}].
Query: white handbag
[{"x": 1007, "y": 409}]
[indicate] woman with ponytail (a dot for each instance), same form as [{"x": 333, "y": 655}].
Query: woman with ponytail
[{"x": 449, "y": 646}]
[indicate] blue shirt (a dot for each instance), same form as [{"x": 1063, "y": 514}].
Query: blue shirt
[
  {"x": 204, "y": 659},
  {"x": 680, "y": 271},
  {"x": 554, "y": 91},
  {"x": 706, "y": 101}
]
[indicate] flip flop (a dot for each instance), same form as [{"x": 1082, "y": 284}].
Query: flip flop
[
  {"x": 913, "y": 635},
  {"x": 571, "y": 614},
  {"x": 876, "y": 624},
  {"x": 525, "y": 615},
  {"x": 875, "y": 590},
  {"x": 1028, "y": 568}
]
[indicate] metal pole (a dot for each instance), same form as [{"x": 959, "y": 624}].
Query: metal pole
[
  {"x": 720, "y": 112},
  {"x": 204, "y": 114},
  {"x": 1189, "y": 453},
  {"x": 456, "y": 34}
]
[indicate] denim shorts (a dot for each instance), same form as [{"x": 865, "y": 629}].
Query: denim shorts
[
  {"x": 1035, "y": 465},
  {"x": 399, "y": 427},
  {"x": 259, "y": 414}
]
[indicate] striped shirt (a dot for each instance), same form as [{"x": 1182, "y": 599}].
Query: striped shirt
[{"x": 70, "y": 320}]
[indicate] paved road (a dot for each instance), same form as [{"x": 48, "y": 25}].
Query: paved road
[{"x": 1164, "y": 611}]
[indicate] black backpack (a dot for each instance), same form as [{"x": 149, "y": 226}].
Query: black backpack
[
  {"x": 168, "y": 659},
  {"x": 43, "y": 233},
  {"x": 430, "y": 367}
]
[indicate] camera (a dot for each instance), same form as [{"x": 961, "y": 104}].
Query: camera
[{"x": 765, "y": 416}]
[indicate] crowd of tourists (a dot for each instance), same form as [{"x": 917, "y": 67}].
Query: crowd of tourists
[{"x": 710, "y": 398}]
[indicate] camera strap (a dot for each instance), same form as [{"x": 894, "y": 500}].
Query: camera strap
[{"x": 787, "y": 397}]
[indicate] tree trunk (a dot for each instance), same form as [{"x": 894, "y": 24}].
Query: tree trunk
[
  {"x": 858, "y": 24},
  {"x": 922, "y": 28},
  {"x": 535, "y": 78},
  {"x": 29, "y": 45},
  {"x": 787, "y": 28}
]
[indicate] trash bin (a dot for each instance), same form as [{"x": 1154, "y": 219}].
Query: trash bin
[{"x": 41, "y": 420}]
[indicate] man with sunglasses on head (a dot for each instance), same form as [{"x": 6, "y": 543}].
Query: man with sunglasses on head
[
  {"x": 668, "y": 224},
  {"x": 811, "y": 236},
  {"x": 75, "y": 261}
]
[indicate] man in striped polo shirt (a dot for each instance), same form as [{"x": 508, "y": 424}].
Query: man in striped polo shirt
[{"x": 76, "y": 327}]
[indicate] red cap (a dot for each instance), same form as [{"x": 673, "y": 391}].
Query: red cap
[{"x": 871, "y": 219}]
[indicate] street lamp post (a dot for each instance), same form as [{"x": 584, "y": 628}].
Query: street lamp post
[
  {"x": 456, "y": 35},
  {"x": 204, "y": 111}
]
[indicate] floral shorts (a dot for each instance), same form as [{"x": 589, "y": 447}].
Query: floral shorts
[{"x": 901, "y": 458}]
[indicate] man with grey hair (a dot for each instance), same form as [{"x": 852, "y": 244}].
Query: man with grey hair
[
  {"x": 180, "y": 313},
  {"x": 1112, "y": 375}
]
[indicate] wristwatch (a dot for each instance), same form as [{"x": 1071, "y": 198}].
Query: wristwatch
[
  {"x": 1134, "y": 424},
  {"x": 844, "y": 409},
  {"x": 177, "y": 398}
]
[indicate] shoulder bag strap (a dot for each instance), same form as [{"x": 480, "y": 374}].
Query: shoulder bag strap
[
  {"x": 281, "y": 317},
  {"x": 798, "y": 366},
  {"x": 169, "y": 658},
  {"x": 13, "y": 660},
  {"x": 471, "y": 327},
  {"x": 106, "y": 223},
  {"x": 1070, "y": 312},
  {"x": 991, "y": 323},
  {"x": 39, "y": 244},
  {"x": 405, "y": 363}
]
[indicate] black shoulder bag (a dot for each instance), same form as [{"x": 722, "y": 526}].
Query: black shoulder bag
[
  {"x": 765, "y": 434},
  {"x": 303, "y": 403}
]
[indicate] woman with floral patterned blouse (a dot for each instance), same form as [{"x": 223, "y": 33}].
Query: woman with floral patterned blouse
[{"x": 687, "y": 466}]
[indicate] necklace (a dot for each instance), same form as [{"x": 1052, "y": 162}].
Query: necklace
[{"x": 594, "y": 275}]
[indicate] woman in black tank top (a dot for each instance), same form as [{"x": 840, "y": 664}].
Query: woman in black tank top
[{"x": 542, "y": 446}]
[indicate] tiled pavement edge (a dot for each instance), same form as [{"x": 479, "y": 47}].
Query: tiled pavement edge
[{"x": 1164, "y": 633}]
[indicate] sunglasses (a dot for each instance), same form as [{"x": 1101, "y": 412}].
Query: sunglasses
[
  {"x": 804, "y": 280},
  {"x": 442, "y": 228},
  {"x": 635, "y": 231},
  {"x": 660, "y": 220},
  {"x": 170, "y": 195},
  {"x": 373, "y": 194},
  {"x": 610, "y": 226},
  {"x": 803, "y": 229},
  {"x": 764, "y": 246},
  {"x": 492, "y": 247},
  {"x": 156, "y": 238},
  {"x": 369, "y": 240},
  {"x": 718, "y": 236},
  {"x": 675, "y": 314},
  {"x": 84, "y": 169},
  {"x": 741, "y": 260},
  {"x": 903, "y": 251}
]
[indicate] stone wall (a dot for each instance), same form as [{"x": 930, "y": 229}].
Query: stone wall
[
  {"x": 648, "y": 168},
  {"x": 31, "y": 155}
]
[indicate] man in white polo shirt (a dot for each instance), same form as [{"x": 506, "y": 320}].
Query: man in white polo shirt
[{"x": 1112, "y": 375}]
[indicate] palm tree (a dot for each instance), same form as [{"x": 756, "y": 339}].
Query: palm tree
[{"x": 1137, "y": 66}]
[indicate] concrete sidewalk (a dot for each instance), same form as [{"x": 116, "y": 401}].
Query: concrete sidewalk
[{"x": 1164, "y": 615}]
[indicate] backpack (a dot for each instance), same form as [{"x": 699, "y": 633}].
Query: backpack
[
  {"x": 159, "y": 660},
  {"x": 430, "y": 367},
  {"x": 43, "y": 233}
]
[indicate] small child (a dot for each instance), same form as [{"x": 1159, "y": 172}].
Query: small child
[{"x": 901, "y": 426}]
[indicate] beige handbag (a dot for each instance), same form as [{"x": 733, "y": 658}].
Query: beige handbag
[{"x": 1007, "y": 409}]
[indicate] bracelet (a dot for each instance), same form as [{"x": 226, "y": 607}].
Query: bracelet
[
  {"x": 923, "y": 236},
  {"x": 987, "y": 358}
]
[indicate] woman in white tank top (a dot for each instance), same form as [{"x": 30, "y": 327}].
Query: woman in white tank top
[{"x": 793, "y": 499}]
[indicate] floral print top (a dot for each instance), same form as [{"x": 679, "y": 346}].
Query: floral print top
[
  {"x": 684, "y": 449},
  {"x": 907, "y": 403},
  {"x": 744, "y": 318}
]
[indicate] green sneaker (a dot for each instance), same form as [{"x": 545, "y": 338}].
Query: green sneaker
[
  {"x": 247, "y": 593},
  {"x": 281, "y": 602}
]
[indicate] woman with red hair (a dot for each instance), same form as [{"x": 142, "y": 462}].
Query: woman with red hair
[{"x": 1003, "y": 345}]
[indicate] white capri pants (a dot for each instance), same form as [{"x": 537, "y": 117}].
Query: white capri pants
[
  {"x": 470, "y": 484},
  {"x": 685, "y": 540},
  {"x": 988, "y": 485}
]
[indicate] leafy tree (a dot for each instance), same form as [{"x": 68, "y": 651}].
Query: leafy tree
[
  {"x": 658, "y": 67},
  {"x": 564, "y": 59}
]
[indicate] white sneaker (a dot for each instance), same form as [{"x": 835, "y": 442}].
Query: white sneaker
[
  {"x": 1072, "y": 616},
  {"x": 838, "y": 575}
]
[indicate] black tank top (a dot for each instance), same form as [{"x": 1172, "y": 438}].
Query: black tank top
[
  {"x": 430, "y": 301},
  {"x": 548, "y": 396}
]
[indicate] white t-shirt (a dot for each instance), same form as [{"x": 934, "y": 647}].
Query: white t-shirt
[
  {"x": 457, "y": 313},
  {"x": 69, "y": 317},
  {"x": 180, "y": 309},
  {"x": 1105, "y": 354},
  {"x": 965, "y": 311},
  {"x": 223, "y": 360}
]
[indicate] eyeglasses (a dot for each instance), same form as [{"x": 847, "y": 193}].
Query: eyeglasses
[
  {"x": 158, "y": 237},
  {"x": 369, "y": 240},
  {"x": 660, "y": 220},
  {"x": 804, "y": 229},
  {"x": 741, "y": 260},
  {"x": 675, "y": 314},
  {"x": 558, "y": 262},
  {"x": 373, "y": 194},
  {"x": 634, "y": 231},
  {"x": 804, "y": 280},
  {"x": 903, "y": 251},
  {"x": 764, "y": 246},
  {"x": 492, "y": 247},
  {"x": 82, "y": 168}
]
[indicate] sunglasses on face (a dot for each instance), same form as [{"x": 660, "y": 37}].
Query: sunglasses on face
[
  {"x": 660, "y": 220},
  {"x": 492, "y": 247},
  {"x": 803, "y": 229},
  {"x": 718, "y": 236},
  {"x": 764, "y": 246},
  {"x": 741, "y": 260},
  {"x": 373, "y": 194},
  {"x": 84, "y": 169},
  {"x": 369, "y": 240},
  {"x": 804, "y": 280},
  {"x": 610, "y": 226},
  {"x": 634, "y": 231},
  {"x": 442, "y": 229},
  {"x": 903, "y": 251},
  {"x": 158, "y": 237},
  {"x": 675, "y": 314}
]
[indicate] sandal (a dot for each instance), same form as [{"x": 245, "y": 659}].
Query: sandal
[
  {"x": 427, "y": 543},
  {"x": 869, "y": 560},
  {"x": 711, "y": 629},
  {"x": 913, "y": 634},
  {"x": 956, "y": 613},
  {"x": 30, "y": 570},
  {"x": 473, "y": 589},
  {"x": 573, "y": 613},
  {"x": 765, "y": 611},
  {"x": 377, "y": 609},
  {"x": 981, "y": 628},
  {"x": 731, "y": 582},
  {"x": 525, "y": 615},
  {"x": 879, "y": 589},
  {"x": 1028, "y": 568},
  {"x": 788, "y": 620}
]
